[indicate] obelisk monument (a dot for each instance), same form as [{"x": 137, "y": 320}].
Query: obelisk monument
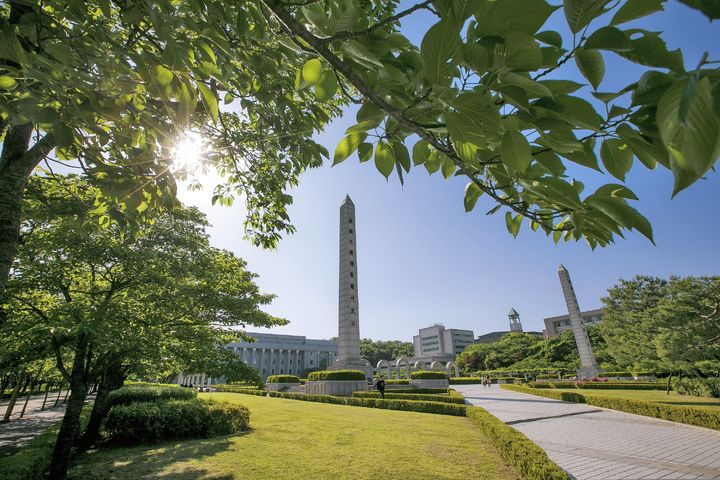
[
  {"x": 348, "y": 305},
  {"x": 588, "y": 364}
]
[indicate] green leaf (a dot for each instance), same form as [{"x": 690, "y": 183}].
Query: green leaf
[
  {"x": 617, "y": 157},
  {"x": 572, "y": 110},
  {"x": 384, "y": 158},
  {"x": 369, "y": 111},
  {"x": 499, "y": 18},
  {"x": 326, "y": 88},
  {"x": 710, "y": 8},
  {"x": 608, "y": 38},
  {"x": 617, "y": 209},
  {"x": 513, "y": 224},
  {"x": 402, "y": 155},
  {"x": 209, "y": 100},
  {"x": 7, "y": 83},
  {"x": 648, "y": 153},
  {"x": 448, "y": 167},
  {"x": 586, "y": 157},
  {"x": 515, "y": 152},
  {"x": 561, "y": 87},
  {"x": 365, "y": 152},
  {"x": 693, "y": 142},
  {"x": 438, "y": 50},
  {"x": 472, "y": 193},
  {"x": 634, "y": 9},
  {"x": 421, "y": 152},
  {"x": 476, "y": 57},
  {"x": 550, "y": 37},
  {"x": 432, "y": 164},
  {"x": 579, "y": 13},
  {"x": 520, "y": 52},
  {"x": 591, "y": 65},
  {"x": 347, "y": 146},
  {"x": 162, "y": 75},
  {"x": 615, "y": 190},
  {"x": 312, "y": 71},
  {"x": 531, "y": 87},
  {"x": 63, "y": 134},
  {"x": 650, "y": 50}
]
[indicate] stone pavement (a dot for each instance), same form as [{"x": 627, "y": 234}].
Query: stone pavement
[
  {"x": 598, "y": 444},
  {"x": 19, "y": 431}
]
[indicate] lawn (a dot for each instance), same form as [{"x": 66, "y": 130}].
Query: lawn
[
  {"x": 656, "y": 396},
  {"x": 292, "y": 439}
]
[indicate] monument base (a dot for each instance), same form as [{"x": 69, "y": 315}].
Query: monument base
[
  {"x": 584, "y": 373},
  {"x": 335, "y": 387}
]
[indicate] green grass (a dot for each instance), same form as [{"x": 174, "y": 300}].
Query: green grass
[
  {"x": 656, "y": 396},
  {"x": 305, "y": 440}
]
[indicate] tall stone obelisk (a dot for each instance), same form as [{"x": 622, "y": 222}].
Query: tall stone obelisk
[
  {"x": 348, "y": 305},
  {"x": 588, "y": 364}
]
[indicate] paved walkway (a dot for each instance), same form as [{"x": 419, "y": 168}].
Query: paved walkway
[
  {"x": 593, "y": 443},
  {"x": 19, "y": 431}
]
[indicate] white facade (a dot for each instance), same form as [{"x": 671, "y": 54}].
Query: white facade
[
  {"x": 273, "y": 354},
  {"x": 438, "y": 342}
]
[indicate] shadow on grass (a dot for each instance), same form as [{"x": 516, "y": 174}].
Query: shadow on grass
[{"x": 152, "y": 461}]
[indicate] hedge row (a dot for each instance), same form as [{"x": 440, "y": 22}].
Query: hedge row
[
  {"x": 516, "y": 449},
  {"x": 428, "y": 375},
  {"x": 700, "y": 387},
  {"x": 681, "y": 414},
  {"x": 413, "y": 396},
  {"x": 324, "y": 375},
  {"x": 465, "y": 380},
  {"x": 601, "y": 385},
  {"x": 406, "y": 405},
  {"x": 282, "y": 379},
  {"x": 155, "y": 421},
  {"x": 442, "y": 391},
  {"x": 616, "y": 374},
  {"x": 395, "y": 381},
  {"x": 33, "y": 460},
  {"x": 147, "y": 393}
]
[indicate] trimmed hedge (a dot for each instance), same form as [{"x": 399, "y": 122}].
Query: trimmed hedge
[
  {"x": 681, "y": 414},
  {"x": 428, "y": 375},
  {"x": 601, "y": 385},
  {"x": 442, "y": 391},
  {"x": 144, "y": 393},
  {"x": 33, "y": 460},
  {"x": 406, "y": 405},
  {"x": 413, "y": 396},
  {"x": 465, "y": 380},
  {"x": 395, "y": 381},
  {"x": 155, "y": 421},
  {"x": 515, "y": 448},
  {"x": 615, "y": 374},
  {"x": 324, "y": 375},
  {"x": 282, "y": 379},
  {"x": 700, "y": 387}
]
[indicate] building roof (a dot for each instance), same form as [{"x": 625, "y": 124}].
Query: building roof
[
  {"x": 495, "y": 336},
  {"x": 586, "y": 313},
  {"x": 513, "y": 313}
]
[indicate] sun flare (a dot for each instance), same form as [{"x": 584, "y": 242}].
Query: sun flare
[{"x": 188, "y": 152}]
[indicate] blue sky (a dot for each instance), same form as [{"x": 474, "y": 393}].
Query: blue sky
[{"x": 423, "y": 260}]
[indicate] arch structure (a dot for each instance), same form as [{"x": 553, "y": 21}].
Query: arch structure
[
  {"x": 383, "y": 364},
  {"x": 419, "y": 365},
  {"x": 455, "y": 372},
  {"x": 436, "y": 365},
  {"x": 399, "y": 362}
]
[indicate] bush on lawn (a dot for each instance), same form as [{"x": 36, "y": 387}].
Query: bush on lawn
[
  {"x": 282, "y": 379},
  {"x": 325, "y": 375},
  {"x": 515, "y": 448},
  {"x": 547, "y": 392},
  {"x": 395, "y": 381},
  {"x": 155, "y": 421},
  {"x": 700, "y": 387},
  {"x": 615, "y": 374},
  {"x": 546, "y": 376},
  {"x": 33, "y": 460},
  {"x": 428, "y": 375},
  {"x": 413, "y": 396},
  {"x": 621, "y": 386},
  {"x": 442, "y": 391},
  {"x": 143, "y": 393}
]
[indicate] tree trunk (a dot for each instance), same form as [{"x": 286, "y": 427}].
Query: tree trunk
[
  {"x": 47, "y": 390},
  {"x": 13, "y": 399},
  {"x": 112, "y": 380},
  {"x": 668, "y": 384},
  {"x": 57, "y": 399},
  {"x": 5, "y": 383},
  {"x": 14, "y": 172},
  {"x": 70, "y": 426},
  {"x": 27, "y": 399}
]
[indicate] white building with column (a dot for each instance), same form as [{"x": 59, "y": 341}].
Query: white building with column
[{"x": 273, "y": 354}]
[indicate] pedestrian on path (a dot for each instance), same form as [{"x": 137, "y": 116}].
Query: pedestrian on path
[{"x": 380, "y": 385}]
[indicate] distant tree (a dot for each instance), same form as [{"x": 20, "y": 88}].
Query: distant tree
[{"x": 374, "y": 351}]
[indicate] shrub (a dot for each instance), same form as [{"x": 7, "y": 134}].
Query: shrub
[
  {"x": 621, "y": 386},
  {"x": 700, "y": 387},
  {"x": 282, "y": 379},
  {"x": 546, "y": 376},
  {"x": 428, "y": 375},
  {"x": 413, "y": 396},
  {"x": 465, "y": 380},
  {"x": 547, "y": 392},
  {"x": 324, "y": 375},
  {"x": 150, "y": 422},
  {"x": 142, "y": 393},
  {"x": 616, "y": 374},
  {"x": 442, "y": 391},
  {"x": 515, "y": 448},
  {"x": 33, "y": 460},
  {"x": 395, "y": 381}
]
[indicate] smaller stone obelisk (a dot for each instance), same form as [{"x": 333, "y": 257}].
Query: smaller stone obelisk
[
  {"x": 348, "y": 304},
  {"x": 588, "y": 364},
  {"x": 514, "y": 317}
]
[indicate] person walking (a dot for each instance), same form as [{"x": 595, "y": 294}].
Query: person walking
[{"x": 380, "y": 385}]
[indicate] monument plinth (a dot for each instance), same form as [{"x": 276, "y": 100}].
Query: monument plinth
[
  {"x": 588, "y": 364},
  {"x": 348, "y": 304}
]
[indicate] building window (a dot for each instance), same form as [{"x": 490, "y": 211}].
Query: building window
[
  {"x": 311, "y": 362},
  {"x": 351, "y": 230},
  {"x": 352, "y": 275},
  {"x": 352, "y": 297},
  {"x": 352, "y": 310},
  {"x": 350, "y": 220},
  {"x": 352, "y": 252},
  {"x": 352, "y": 264},
  {"x": 352, "y": 323},
  {"x": 352, "y": 285}
]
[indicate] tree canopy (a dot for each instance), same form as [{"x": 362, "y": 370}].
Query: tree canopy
[{"x": 377, "y": 350}]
